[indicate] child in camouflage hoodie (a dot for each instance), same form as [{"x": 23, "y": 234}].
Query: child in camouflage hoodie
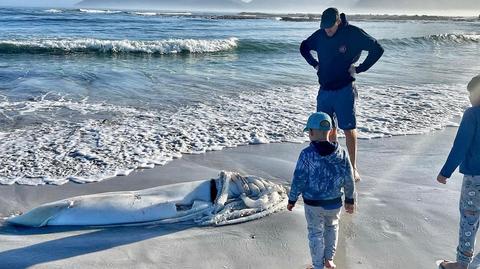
[{"x": 323, "y": 170}]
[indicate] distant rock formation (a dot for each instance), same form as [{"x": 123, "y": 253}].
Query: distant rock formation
[
  {"x": 311, "y": 6},
  {"x": 164, "y": 4},
  {"x": 238, "y": 5}
]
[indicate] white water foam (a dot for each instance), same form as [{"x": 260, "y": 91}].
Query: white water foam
[
  {"x": 168, "y": 46},
  {"x": 146, "y": 13},
  {"x": 440, "y": 39},
  {"x": 458, "y": 38},
  {"x": 399, "y": 110},
  {"x": 53, "y": 10},
  {"x": 175, "y": 13},
  {"x": 99, "y": 11},
  {"x": 94, "y": 148}
]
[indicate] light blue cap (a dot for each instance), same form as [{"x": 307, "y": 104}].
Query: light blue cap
[{"x": 320, "y": 121}]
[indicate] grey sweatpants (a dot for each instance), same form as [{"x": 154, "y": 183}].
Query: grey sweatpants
[{"x": 322, "y": 233}]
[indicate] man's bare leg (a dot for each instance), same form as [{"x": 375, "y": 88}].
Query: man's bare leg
[
  {"x": 333, "y": 135},
  {"x": 351, "y": 141}
]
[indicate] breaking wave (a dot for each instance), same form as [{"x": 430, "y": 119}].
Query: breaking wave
[
  {"x": 174, "y": 46},
  {"x": 100, "y": 11},
  {"x": 441, "y": 39},
  {"x": 90, "y": 45},
  {"x": 53, "y": 10}
]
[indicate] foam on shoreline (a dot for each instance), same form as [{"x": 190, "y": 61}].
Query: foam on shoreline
[{"x": 106, "y": 140}]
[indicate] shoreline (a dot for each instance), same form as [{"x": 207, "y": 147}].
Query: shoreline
[
  {"x": 401, "y": 208},
  {"x": 197, "y": 165}
]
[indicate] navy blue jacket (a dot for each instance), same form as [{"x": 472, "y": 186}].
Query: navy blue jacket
[
  {"x": 337, "y": 53},
  {"x": 466, "y": 148}
]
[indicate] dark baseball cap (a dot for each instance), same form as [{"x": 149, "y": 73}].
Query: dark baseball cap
[{"x": 329, "y": 17}]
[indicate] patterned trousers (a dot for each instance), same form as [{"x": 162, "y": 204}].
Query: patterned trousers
[{"x": 469, "y": 218}]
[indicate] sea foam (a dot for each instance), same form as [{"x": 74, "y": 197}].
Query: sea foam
[
  {"x": 173, "y": 46},
  {"x": 145, "y": 13},
  {"x": 86, "y": 45},
  {"x": 93, "y": 147},
  {"x": 99, "y": 11},
  {"x": 53, "y": 10},
  {"x": 440, "y": 39}
]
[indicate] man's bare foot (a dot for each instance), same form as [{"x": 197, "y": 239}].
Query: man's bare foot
[
  {"x": 451, "y": 265},
  {"x": 330, "y": 264},
  {"x": 356, "y": 175}
]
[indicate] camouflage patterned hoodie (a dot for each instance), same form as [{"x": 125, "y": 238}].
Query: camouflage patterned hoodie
[{"x": 321, "y": 175}]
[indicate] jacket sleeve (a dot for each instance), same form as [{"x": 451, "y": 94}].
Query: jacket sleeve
[
  {"x": 463, "y": 140},
  {"x": 349, "y": 186},
  {"x": 370, "y": 44},
  {"x": 305, "y": 49},
  {"x": 299, "y": 179}
]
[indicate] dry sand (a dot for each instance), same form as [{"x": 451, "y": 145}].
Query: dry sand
[{"x": 404, "y": 220}]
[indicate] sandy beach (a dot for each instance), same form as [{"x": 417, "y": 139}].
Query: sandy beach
[
  {"x": 149, "y": 105},
  {"x": 404, "y": 216}
]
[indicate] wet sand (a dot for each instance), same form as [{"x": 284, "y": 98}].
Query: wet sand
[{"x": 404, "y": 217}]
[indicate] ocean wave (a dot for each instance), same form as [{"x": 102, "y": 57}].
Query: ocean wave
[
  {"x": 440, "y": 39},
  {"x": 172, "y": 46},
  {"x": 175, "y": 13},
  {"x": 88, "y": 45},
  {"x": 99, "y": 140},
  {"x": 53, "y": 10},
  {"x": 145, "y": 13},
  {"x": 298, "y": 18},
  {"x": 261, "y": 46},
  {"x": 99, "y": 11}
]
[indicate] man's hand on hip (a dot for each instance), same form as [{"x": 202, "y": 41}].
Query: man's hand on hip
[{"x": 352, "y": 70}]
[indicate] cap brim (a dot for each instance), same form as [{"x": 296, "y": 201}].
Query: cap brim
[{"x": 325, "y": 25}]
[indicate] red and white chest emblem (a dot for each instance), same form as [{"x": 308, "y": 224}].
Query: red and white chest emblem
[{"x": 342, "y": 49}]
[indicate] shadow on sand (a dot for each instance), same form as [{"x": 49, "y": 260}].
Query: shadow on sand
[{"x": 80, "y": 241}]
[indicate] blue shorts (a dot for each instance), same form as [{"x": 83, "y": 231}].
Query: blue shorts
[{"x": 340, "y": 105}]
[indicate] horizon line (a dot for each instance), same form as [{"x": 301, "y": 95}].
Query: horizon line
[{"x": 432, "y": 13}]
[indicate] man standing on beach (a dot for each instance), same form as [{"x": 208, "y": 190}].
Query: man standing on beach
[{"x": 338, "y": 46}]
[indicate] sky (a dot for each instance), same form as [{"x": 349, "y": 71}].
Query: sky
[{"x": 440, "y": 7}]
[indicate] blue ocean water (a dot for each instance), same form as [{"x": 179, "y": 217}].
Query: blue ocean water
[{"x": 89, "y": 94}]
